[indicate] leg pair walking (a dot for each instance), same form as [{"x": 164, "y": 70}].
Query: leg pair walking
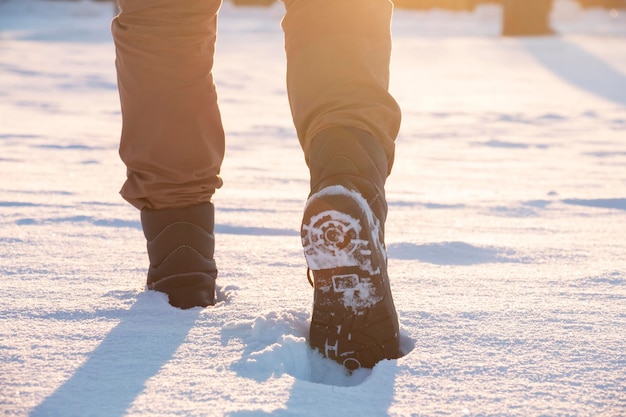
[{"x": 172, "y": 143}]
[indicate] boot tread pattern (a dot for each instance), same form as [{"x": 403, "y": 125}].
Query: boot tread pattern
[{"x": 354, "y": 321}]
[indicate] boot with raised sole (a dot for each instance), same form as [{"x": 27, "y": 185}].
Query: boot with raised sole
[
  {"x": 181, "y": 244},
  {"x": 354, "y": 320}
]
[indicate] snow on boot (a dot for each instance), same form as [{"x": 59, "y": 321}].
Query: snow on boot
[
  {"x": 180, "y": 248},
  {"x": 354, "y": 320}
]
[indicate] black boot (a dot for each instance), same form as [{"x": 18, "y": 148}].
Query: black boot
[
  {"x": 354, "y": 159},
  {"x": 354, "y": 320},
  {"x": 180, "y": 248}
]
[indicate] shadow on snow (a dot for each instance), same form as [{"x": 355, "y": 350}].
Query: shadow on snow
[
  {"x": 578, "y": 67},
  {"x": 116, "y": 372},
  {"x": 610, "y": 203},
  {"x": 451, "y": 253}
]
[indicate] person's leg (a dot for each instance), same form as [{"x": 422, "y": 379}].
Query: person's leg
[
  {"x": 172, "y": 138},
  {"x": 338, "y": 55}
]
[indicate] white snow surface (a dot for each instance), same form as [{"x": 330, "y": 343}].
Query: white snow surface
[{"x": 506, "y": 230}]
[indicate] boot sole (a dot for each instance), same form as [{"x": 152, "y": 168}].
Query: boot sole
[{"x": 354, "y": 320}]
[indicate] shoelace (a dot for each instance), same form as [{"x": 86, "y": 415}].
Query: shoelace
[{"x": 308, "y": 276}]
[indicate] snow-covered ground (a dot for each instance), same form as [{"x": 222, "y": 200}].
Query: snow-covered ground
[{"x": 506, "y": 232}]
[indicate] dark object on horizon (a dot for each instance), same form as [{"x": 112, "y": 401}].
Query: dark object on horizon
[
  {"x": 526, "y": 18},
  {"x": 469, "y": 5},
  {"x": 607, "y": 4},
  {"x": 460, "y": 5},
  {"x": 253, "y": 2}
]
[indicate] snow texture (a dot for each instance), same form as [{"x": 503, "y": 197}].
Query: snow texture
[
  {"x": 318, "y": 247},
  {"x": 326, "y": 256},
  {"x": 506, "y": 228}
]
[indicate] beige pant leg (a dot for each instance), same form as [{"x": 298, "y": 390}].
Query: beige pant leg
[
  {"x": 338, "y": 54},
  {"x": 172, "y": 136}
]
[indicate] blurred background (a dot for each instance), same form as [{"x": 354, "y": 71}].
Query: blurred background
[{"x": 519, "y": 17}]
